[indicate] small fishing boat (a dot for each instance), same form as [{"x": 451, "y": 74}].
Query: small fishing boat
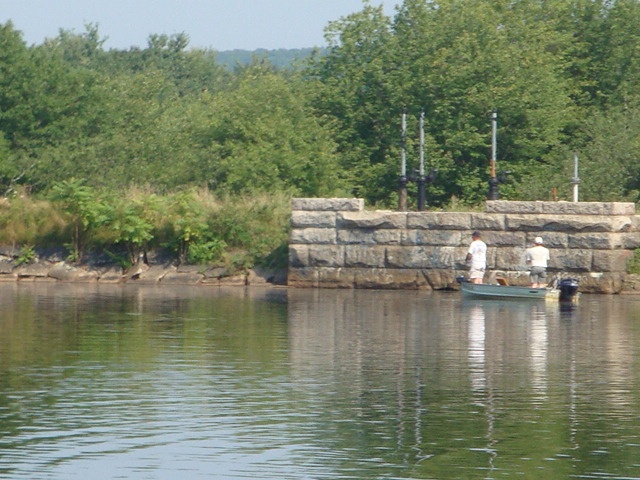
[{"x": 563, "y": 290}]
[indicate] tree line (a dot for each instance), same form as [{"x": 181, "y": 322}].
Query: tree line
[{"x": 562, "y": 76}]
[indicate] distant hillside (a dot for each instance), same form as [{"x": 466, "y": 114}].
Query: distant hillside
[{"x": 282, "y": 58}]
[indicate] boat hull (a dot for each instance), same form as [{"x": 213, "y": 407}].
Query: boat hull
[
  {"x": 506, "y": 291},
  {"x": 566, "y": 292}
]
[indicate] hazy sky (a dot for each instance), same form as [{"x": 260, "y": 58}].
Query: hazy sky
[{"x": 217, "y": 24}]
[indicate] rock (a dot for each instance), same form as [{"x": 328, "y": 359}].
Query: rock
[{"x": 183, "y": 278}]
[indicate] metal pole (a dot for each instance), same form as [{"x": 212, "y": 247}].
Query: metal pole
[
  {"x": 402, "y": 194},
  {"x": 493, "y": 180},
  {"x": 422, "y": 195},
  {"x": 403, "y": 166},
  {"x": 575, "y": 180},
  {"x": 422, "y": 143}
]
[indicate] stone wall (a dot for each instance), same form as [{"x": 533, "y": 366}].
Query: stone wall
[{"x": 336, "y": 243}]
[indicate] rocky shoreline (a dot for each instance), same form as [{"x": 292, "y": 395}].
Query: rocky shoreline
[{"x": 53, "y": 268}]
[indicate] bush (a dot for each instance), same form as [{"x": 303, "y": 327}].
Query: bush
[{"x": 198, "y": 227}]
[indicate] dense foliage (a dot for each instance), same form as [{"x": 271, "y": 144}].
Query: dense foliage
[{"x": 561, "y": 74}]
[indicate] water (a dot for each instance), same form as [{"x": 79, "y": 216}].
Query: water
[{"x": 149, "y": 382}]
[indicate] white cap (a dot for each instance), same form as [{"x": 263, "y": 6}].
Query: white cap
[{"x": 538, "y": 240}]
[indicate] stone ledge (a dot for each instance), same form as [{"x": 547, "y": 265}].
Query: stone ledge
[
  {"x": 561, "y": 208},
  {"x": 328, "y": 204}
]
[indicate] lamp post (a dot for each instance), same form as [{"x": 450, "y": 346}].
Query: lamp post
[
  {"x": 402, "y": 194},
  {"x": 575, "y": 180},
  {"x": 422, "y": 180},
  {"x": 493, "y": 180}
]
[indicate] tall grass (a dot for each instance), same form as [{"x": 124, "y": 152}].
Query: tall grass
[
  {"x": 27, "y": 221},
  {"x": 195, "y": 226}
]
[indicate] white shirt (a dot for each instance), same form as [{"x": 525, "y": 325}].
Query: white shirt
[
  {"x": 538, "y": 256},
  {"x": 478, "y": 252}
]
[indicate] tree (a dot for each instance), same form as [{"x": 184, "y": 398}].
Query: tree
[
  {"x": 85, "y": 210},
  {"x": 357, "y": 90},
  {"x": 263, "y": 136},
  {"x": 457, "y": 60}
]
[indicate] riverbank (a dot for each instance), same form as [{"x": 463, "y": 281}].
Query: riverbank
[{"x": 51, "y": 267}]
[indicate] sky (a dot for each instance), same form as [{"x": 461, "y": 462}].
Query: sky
[{"x": 216, "y": 24}]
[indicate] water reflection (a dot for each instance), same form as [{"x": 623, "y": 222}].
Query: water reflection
[
  {"x": 524, "y": 401},
  {"x": 150, "y": 382}
]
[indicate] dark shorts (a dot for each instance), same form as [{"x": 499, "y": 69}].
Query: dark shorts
[{"x": 538, "y": 274}]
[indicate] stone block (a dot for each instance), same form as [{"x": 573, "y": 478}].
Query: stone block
[
  {"x": 439, "y": 220},
  {"x": 302, "y": 277},
  {"x": 335, "y": 278},
  {"x": 424, "y": 257},
  {"x": 596, "y": 240},
  {"x": 308, "y": 219},
  {"x": 328, "y": 204},
  {"x": 572, "y": 208},
  {"x": 571, "y": 260},
  {"x": 509, "y": 258},
  {"x": 507, "y": 206},
  {"x": 364, "y": 256},
  {"x": 620, "y": 208},
  {"x": 604, "y": 283},
  {"x": 369, "y": 237},
  {"x": 495, "y": 239},
  {"x": 441, "y": 279},
  {"x": 326, "y": 256},
  {"x": 388, "y": 279},
  {"x": 372, "y": 220},
  {"x": 298, "y": 256},
  {"x": 560, "y": 208},
  {"x": 551, "y": 239},
  {"x": 407, "y": 257},
  {"x": 449, "y": 238},
  {"x": 487, "y": 221},
  {"x": 611, "y": 261},
  {"x": 312, "y": 236},
  {"x": 631, "y": 240},
  {"x": 568, "y": 223}
]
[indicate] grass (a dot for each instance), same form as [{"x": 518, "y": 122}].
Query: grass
[{"x": 240, "y": 232}]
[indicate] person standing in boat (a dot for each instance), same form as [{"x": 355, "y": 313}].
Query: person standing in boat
[
  {"x": 477, "y": 255},
  {"x": 537, "y": 258}
]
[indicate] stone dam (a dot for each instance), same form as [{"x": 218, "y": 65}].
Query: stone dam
[{"x": 336, "y": 243}]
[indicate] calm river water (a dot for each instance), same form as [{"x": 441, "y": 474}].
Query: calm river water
[{"x": 149, "y": 382}]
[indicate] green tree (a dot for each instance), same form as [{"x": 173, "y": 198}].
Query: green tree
[
  {"x": 133, "y": 222},
  {"x": 85, "y": 210},
  {"x": 610, "y": 159},
  {"x": 458, "y": 61},
  {"x": 264, "y": 136},
  {"x": 358, "y": 90}
]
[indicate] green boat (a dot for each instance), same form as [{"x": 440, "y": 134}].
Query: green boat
[{"x": 564, "y": 290}]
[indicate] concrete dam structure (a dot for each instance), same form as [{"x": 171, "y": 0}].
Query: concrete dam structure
[{"x": 336, "y": 243}]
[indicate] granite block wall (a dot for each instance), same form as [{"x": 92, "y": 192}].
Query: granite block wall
[{"x": 336, "y": 243}]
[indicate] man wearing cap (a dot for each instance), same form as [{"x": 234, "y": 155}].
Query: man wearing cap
[
  {"x": 537, "y": 258},
  {"x": 477, "y": 254}
]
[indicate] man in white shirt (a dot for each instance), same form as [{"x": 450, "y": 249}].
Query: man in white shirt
[
  {"x": 537, "y": 258},
  {"x": 477, "y": 254}
]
